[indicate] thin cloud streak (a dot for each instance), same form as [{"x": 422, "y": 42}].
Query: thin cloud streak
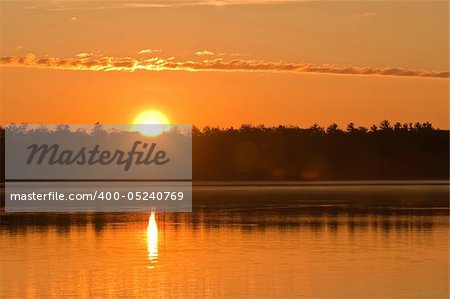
[
  {"x": 70, "y": 5},
  {"x": 149, "y": 51},
  {"x": 204, "y": 53},
  {"x": 369, "y": 14},
  {"x": 89, "y": 62}
]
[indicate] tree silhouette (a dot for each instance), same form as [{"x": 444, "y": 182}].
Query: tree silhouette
[{"x": 385, "y": 152}]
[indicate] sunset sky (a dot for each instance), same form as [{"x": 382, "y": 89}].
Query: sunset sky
[{"x": 225, "y": 63}]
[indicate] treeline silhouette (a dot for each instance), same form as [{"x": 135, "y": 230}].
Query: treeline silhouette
[{"x": 381, "y": 152}]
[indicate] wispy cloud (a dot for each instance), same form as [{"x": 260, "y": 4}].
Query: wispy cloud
[
  {"x": 204, "y": 53},
  {"x": 369, "y": 14},
  {"x": 149, "y": 51},
  {"x": 76, "y": 5},
  {"x": 89, "y": 62}
]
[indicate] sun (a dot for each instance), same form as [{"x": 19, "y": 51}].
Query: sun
[{"x": 151, "y": 123}]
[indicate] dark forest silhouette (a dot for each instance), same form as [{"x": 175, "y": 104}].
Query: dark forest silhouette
[{"x": 383, "y": 152}]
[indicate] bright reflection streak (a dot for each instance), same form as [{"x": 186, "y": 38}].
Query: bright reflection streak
[{"x": 152, "y": 239}]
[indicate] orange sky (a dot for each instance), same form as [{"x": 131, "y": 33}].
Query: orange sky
[{"x": 263, "y": 62}]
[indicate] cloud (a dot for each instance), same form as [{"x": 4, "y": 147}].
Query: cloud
[
  {"x": 84, "y": 55},
  {"x": 89, "y": 62},
  {"x": 149, "y": 51},
  {"x": 204, "y": 53},
  {"x": 369, "y": 14},
  {"x": 77, "y": 5}
]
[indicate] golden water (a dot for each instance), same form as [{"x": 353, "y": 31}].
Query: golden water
[{"x": 227, "y": 253}]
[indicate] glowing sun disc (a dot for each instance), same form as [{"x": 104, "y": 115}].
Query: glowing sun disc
[{"x": 150, "y": 122}]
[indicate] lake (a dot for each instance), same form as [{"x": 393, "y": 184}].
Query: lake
[{"x": 327, "y": 240}]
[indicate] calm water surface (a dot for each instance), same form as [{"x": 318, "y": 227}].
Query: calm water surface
[{"x": 240, "y": 241}]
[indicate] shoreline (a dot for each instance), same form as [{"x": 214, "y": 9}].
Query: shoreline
[{"x": 272, "y": 183}]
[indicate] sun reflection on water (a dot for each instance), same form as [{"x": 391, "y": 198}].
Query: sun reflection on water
[{"x": 152, "y": 239}]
